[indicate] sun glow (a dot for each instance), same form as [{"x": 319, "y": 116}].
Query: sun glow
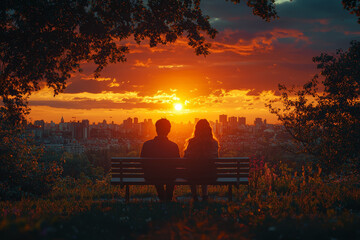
[{"x": 178, "y": 106}]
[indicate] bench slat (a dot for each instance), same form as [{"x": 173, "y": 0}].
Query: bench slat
[
  {"x": 179, "y": 181},
  {"x": 232, "y": 165},
  {"x": 119, "y": 159},
  {"x": 127, "y": 170},
  {"x": 178, "y": 170}
]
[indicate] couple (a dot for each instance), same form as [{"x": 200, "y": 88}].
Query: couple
[{"x": 198, "y": 149}]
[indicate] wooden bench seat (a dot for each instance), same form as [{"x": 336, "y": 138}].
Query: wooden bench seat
[{"x": 127, "y": 171}]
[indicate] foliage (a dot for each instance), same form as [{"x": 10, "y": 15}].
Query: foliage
[
  {"x": 353, "y": 6},
  {"x": 326, "y": 123},
  {"x": 22, "y": 171},
  {"x": 45, "y": 41},
  {"x": 75, "y": 165},
  {"x": 286, "y": 205}
]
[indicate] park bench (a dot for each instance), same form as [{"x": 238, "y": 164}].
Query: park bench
[{"x": 128, "y": 171}]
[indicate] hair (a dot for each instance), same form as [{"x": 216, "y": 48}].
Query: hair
[
  {"x": 202, "y": 132},
  {"x": 163, "y": 126}
]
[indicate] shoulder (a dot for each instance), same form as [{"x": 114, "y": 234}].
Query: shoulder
[
  {"x": 191, "y": 141},
  {"x": 172, "y": 144},
  {"x": 148, "y": 143}
]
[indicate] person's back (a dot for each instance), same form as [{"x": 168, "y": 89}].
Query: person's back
[
  {"x": 199, "y": 152},
  {"x": 160, "y": 147},
  {"x": 160, "y": 170}
]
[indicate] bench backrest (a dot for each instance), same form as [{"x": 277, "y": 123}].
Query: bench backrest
[{"x": 130, "y": 170}]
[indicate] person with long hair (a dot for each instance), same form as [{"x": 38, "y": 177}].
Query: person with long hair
[{"x": 199, "y": 150}]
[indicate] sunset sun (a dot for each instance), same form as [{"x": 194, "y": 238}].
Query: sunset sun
[{"x": 178, "y": 106}]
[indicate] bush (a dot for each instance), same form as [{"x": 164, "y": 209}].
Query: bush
[{"x": 23, "y": 172}]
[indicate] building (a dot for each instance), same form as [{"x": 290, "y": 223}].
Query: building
[
  {"x": 233, "y": 122},
  {"x": 223, "y": 119},
  {"x": 242, "y": 120},
  {"x": 40, "y": 128},
  {"x": 258, "y": 122},
  {"x": 85, "y": 128}
]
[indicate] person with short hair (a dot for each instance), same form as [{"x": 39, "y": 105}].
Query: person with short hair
[{"x": 158, "y": 170}]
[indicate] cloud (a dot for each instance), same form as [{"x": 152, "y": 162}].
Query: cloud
[
  {"x": 261, "y": 42},
  {"x": 146, "y": 64},
  {"x": 170, "y": 66},
  {"x": 96, "y": 104}
]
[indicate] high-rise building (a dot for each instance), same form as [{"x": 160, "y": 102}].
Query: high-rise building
[
  {"x": 62, "y": 120},
  {"x": 77, "y": 130},
  {"x": 39, "y": 133},
  {"x": 127, "y": 123},
  {"x": 232, "y": 120},
  {"x": 258, "y": 122},
  {"x": 233, "y": 123},
  {"x": 85, "y": 128},
  {"x": 39, "y": 123},
  {"x": 242, "y": 120},
  {"x": 136, "y": 120},
  {"x": 223, "y": 119}
]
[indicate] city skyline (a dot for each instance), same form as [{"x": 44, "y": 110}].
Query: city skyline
[
  {"x": 134, "y": 119},
  {"x": 79, "y": 136}
]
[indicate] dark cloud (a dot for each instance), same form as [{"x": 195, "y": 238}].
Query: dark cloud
[
  {"x": 254, "y": 93},
  {"x": 323, "y": 21},
  {"x": 94, "y": 104},
  {"x": 90, "y": 86}
]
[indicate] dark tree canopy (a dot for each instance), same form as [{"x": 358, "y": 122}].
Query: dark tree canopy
[
  {"x": 324, "y": 117},
  {"x": 43, "y": 41},
  {"x": 353, "y": 6}
]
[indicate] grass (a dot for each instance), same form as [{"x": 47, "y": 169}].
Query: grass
[{"x": 285, "y": 205}]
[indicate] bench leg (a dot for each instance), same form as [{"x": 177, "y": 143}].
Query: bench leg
[
  {"x": 127, "y": 193},
  {"x": 230, "y": 193}
]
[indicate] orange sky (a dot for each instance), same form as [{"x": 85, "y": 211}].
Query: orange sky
[{"x": 248, "y": 59}]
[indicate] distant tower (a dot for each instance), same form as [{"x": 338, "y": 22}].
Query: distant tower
[
  {"x": 62, "y": 119},
  {"x": 233, "y": 120},
  {"x": 136, "y": 120},
  {"x": 258, "y": 122},
  {"x": 242, "y": 120},
  {"x": 223, "y": 118}
]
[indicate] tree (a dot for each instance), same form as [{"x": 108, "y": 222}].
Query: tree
[
  {"x": 323, "y": 117},
  {"x": 353, "y": 6},
  {"x": 45, "y": 41},
  {"x": 24, "y": 170}
]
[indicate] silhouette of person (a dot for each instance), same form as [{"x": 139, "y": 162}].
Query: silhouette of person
[
  {"x": 199, "y": 150},
  {"x": 160, "y": 170}
]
